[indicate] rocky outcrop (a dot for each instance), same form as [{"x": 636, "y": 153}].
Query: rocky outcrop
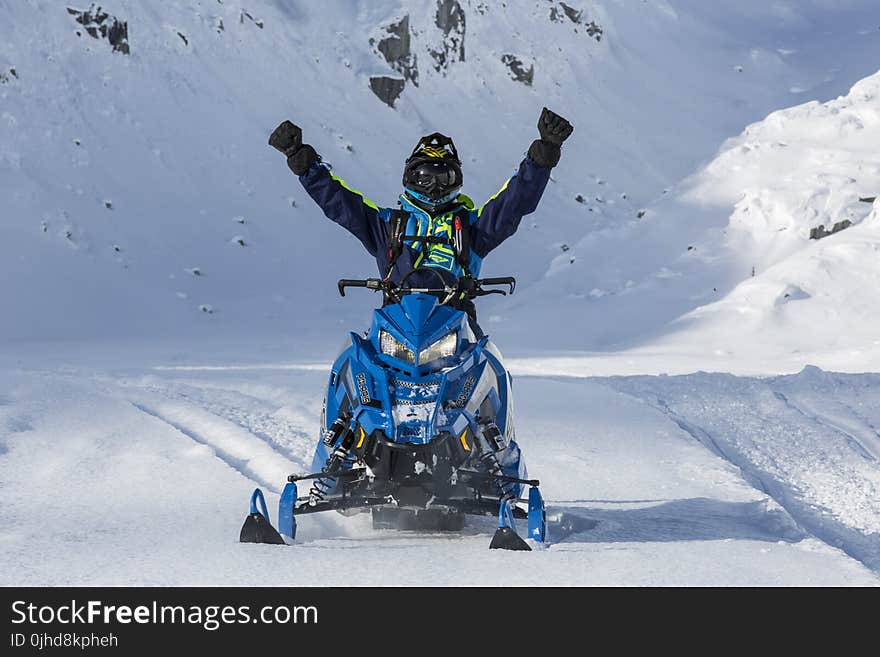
[
  {"x": 100, "y": 25},
  {"x": 396, "y": 48},
  {"x": 517, "y": 69},
  {"x": 560, "y": 12},
  {"x": 387, "y": 89},
  {"x": 820, "y": 231},
  {"x": 451, "y": 21}
]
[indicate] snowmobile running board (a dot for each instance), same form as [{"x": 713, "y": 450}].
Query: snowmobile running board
[
  {"x": 468, "y": 507},
  {"x": 336, "y": 474},
  {"x": 258, "y": 528}
]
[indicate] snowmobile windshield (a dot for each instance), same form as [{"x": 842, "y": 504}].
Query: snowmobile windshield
[{"x": 433, "y": 178}]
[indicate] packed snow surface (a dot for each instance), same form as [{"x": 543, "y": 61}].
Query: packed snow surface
[{"x": 140, "y": 475}]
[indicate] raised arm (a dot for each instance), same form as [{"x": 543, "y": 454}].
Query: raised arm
[
  {"x": 500, "y": 216},
  {"x": 339, "y": 202}
]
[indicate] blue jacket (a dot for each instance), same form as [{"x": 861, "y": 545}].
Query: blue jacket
[{"x": 489, "y": 225}]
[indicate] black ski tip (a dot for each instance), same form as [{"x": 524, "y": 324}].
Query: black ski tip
[
  {"x": 257, "y": 529},
  {"x": 507, "y": 539}
]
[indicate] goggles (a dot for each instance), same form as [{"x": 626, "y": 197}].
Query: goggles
[{"x": 433, "y": 177}]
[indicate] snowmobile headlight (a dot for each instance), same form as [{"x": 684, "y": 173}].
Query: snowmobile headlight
[
  {"x": 442, "y": 348},
  {"x": 393, "y": 347}
]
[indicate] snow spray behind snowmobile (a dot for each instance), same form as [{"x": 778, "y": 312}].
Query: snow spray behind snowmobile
[{"x": 417, "y": 426}]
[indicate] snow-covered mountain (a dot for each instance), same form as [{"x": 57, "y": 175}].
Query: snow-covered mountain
[
  {"x": 139, "y": 196},
  {"x": 764, "y": 260}
]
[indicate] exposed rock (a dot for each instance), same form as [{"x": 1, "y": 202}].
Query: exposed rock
[
  {"x": 594, "y": 30},
  {"x": 560, "y": 11},
  {"x": 183, "y": 38},
  {"x": 101, "y": 25},
  {"x": 518, "y": 70},
  {"x": 574, "y": 15},
  {"x": 820, "y": 231},
  {"x": 397, "y": 51},
  {"x": 387, "y": 89},
  {"x": 451, "y": 20},
  {"x": 867, "y": 199},
  {"x": 6, "y": 78},
  {"x": 253, "y": 20}
]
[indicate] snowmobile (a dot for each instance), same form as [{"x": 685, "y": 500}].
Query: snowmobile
[{"x": 417, "y": 425}]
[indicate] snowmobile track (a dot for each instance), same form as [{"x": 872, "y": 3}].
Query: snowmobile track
[{"x": 238, "y": 463}]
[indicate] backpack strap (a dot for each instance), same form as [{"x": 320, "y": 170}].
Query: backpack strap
[
  {"x": 460, "y": 241},
  {"x": 461, "y": 238},
  {"x": 396, "y": 226}
]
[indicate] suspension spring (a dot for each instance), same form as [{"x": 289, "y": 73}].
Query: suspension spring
[
  {"x": 493, "y": 466},
  {"x": 322, "y": 486}
]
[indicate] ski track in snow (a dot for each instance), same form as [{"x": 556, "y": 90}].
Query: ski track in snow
[
  {"x": 639, "y": 490},
  {"x": 285, "y": 428},
  {"x": 817, "y": 469}
]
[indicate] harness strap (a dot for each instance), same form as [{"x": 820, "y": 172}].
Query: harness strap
[
  {"x": 395, "y": 243},
  {"x": 461, "y": 244},
  {"x": 460, "y": 241}
]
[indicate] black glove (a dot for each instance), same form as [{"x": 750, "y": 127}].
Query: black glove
[
  {"x": 287, "y": 138},
  {"x": 554, "y": 130}
]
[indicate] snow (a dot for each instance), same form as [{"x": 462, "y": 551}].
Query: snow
[
  {"x": 692, "y": 373},
  {"x": 174, "y": 134},
  {"x": 142, "y": 477}
]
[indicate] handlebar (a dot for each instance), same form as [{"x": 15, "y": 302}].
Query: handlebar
[
  {"x": 498, "y": 280},
  {"x": 470, "y": 287},
  {"x": 370, "y": 283}
]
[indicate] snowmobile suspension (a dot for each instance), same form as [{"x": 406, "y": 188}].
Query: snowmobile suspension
[
  {"x": 324, "y": 484},
  {"x": 493, "y": 468}
]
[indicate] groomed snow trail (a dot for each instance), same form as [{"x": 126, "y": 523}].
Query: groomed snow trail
[{"x": 142, "y": 477}]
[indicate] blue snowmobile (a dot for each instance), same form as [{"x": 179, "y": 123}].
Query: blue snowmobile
[{"x": 417, "y": 426}]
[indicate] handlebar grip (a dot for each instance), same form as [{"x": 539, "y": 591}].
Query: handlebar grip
[
  {"x": 502, "y": 280},
  {"x": 349, "y": 282},
  {"x": 371, "y": 283}
]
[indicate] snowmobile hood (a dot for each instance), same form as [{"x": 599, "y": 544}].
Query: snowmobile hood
[{"x": 419, "y": 317}]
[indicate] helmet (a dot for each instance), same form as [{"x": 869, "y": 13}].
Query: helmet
[{"x": 432, "y": 174}]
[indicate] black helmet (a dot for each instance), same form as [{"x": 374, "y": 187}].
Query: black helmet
[{"x": 432, "y": 175}]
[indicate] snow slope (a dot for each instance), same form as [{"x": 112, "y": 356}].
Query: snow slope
[
  {"x": 142, "y": 474},
  {"x": 726, "y": 266},
  {"x": 169, "y": 309},
  {"x": 130, "y": 181}
]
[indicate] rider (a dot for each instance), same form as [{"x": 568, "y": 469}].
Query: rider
[{"x": 431, "y": 206}]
